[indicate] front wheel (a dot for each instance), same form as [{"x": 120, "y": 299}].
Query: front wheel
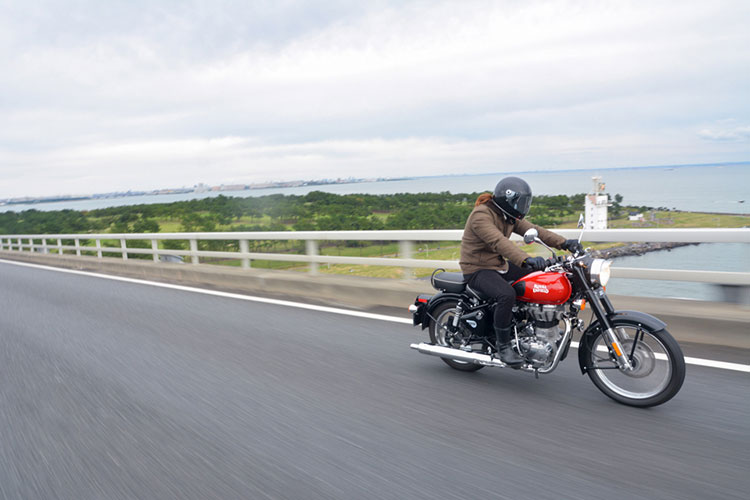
[
  {"x": 441, "y": 334},
  {"x": 658, "y": 366}
]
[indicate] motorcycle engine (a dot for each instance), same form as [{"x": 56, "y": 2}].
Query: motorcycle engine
[{"x": 538, "y": 338}]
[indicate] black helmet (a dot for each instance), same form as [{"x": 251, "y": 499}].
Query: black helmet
[{"x": 513, "y": 196}]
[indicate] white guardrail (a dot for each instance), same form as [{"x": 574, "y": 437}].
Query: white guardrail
[{"x": 51, "y": 243}]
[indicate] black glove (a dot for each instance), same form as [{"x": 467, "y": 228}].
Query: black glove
[
  {"x": 534, "y": 263},
  {"x": 572, "y": 246}
]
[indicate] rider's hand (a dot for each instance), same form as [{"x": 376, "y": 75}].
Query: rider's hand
[
  {"x": 550, "y": 262},
  {"x": 572, "y": 246},
  {"x": 534, "y": 263}
]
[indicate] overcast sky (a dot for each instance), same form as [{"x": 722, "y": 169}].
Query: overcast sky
[{"x": 103, "y": 95}]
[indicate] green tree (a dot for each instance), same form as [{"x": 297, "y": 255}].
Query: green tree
[{"x": 146, "y": 226}]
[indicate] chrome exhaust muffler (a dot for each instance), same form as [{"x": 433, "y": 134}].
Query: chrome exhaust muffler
[
  {"x": 487, "y": 360},
  {"x": 458, "y": 355}
]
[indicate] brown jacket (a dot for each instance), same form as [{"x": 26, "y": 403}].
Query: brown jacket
[{"x": 485, "y": 243}]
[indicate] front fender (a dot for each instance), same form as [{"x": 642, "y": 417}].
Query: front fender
[{"x": 635, "y": 318}]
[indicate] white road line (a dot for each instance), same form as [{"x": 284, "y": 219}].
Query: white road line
[
  {"x": 264, "y": 300},
  {"x": 723, "y": 365}
]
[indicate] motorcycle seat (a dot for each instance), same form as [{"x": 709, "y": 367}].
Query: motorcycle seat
[
  {"x": 450, "y": 282},
  {"x": 476, "y": 293}
]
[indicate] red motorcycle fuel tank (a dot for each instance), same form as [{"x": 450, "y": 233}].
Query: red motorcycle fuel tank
[{"x": 543, "y": 288}]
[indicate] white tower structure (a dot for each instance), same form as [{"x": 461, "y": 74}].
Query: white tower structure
[{"x": 596, "y": 206}]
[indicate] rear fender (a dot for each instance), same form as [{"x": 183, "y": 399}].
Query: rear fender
[
  {"x": 425, "y": 309},
  {"x": 635, "y": 318},
  {"x": 419, "y": 309}
]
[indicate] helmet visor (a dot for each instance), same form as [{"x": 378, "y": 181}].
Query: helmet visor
[{"x": 520, "y": 203}]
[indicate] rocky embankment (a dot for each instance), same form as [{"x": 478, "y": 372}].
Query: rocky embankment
[{"x": 635, "y": 249}]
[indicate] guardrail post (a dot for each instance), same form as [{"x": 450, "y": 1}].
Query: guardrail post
[
  {"x": 31, "y": 245},
  {"x": 194, "y": 251},
  {"x": 99, "y": 248},
  {"x": 78, "y": 247},
  {"x": 45, "y": 250},
  {"x": 155, "y": 249},
  {"x": 245, "y": 248},
  {"x": 735, "y": 294},
  {"x": 59, "y": 246},
  {"x": 20, "y": 245},
  {"x": 124, "y": 249},
  {"x": 406, "y": 251},
  {"x": 311, "y": 247}
]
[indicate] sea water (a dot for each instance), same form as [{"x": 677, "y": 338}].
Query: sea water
[{"x": 719, "y": 188}]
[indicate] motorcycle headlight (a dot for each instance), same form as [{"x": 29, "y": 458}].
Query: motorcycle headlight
[{"x": 600, "y": 271}]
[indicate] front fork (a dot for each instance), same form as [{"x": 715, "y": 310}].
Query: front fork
[{"x": 602, "y": 308}]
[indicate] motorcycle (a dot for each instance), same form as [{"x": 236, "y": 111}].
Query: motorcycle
[{"x": 628, "y": 355}]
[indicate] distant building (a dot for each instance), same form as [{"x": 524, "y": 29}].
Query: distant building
[
  {"x": 596, "y": 206},
  {"x": 635, "y": 216}
]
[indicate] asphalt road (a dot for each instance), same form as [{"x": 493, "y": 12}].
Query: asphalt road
[{"x": 119, "y": 390}]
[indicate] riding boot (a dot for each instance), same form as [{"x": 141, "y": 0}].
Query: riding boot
[{"x": 504, "y": 349}]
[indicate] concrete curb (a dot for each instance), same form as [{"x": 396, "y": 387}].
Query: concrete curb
[{"x": 691, "y": 321}]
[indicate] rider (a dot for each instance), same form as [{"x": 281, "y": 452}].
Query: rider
[{"x": 490, "y": 262}]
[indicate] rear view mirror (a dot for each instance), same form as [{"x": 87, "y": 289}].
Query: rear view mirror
[
  {"x": 530, "y": 236},
  {"x": 581, "y": 221}
]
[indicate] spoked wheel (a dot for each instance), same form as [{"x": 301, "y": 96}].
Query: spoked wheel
[
  {"x": 658, "y": 366},
  {"x": 441, "y": 334}
]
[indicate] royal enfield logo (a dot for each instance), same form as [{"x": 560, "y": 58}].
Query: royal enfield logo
[{"x": 540, "y": 288}]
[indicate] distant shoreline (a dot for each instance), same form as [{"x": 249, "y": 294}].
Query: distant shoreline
[
  {"x": 631, "y": 249},
  {"x": 714, "y": 189},
  {"x": 197, "y": 190},
  {"x": 200, "y": 189}
]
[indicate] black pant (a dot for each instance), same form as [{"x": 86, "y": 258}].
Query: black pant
[{"x": 498, "y": 286}]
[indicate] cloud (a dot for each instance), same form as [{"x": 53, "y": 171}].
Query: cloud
[
  {"x": 726, "y": 134},
  {"x": 312, "y": 89},
  {"x": 230, "y": 160}
]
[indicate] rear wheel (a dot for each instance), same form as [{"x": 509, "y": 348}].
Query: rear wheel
[
  {"x": 441, "y": 334},
  {"x": 658, "y": 366}
]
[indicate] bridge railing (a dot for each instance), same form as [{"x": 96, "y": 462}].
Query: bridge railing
[{"x": 53, "y": 243}]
